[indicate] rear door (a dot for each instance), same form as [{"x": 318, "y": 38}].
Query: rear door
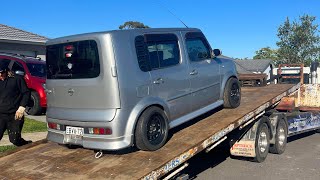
[
  {"x": 204, "y": 71},
  {"x": 76, "y": 84},
  {"x": 169, "y": 72}
]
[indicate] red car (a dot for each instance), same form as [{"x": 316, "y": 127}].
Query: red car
[{"x": 34, "y": 72}]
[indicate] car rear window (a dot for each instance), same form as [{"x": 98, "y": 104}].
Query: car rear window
[{"x": 74, "y": 60}]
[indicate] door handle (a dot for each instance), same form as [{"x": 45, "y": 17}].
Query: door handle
[
  {"x": 158, "y": 81},
  {"x": 194, "y": 72}
]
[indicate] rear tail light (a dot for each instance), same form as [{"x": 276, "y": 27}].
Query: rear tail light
[
  {"x": 53, "y": 126},
  {"x": 100, "y": 131}
]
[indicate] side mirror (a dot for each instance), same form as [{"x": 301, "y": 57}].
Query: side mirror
[
  {"x": 217, "y": 52},
  {"x": 21, "y": 73}
]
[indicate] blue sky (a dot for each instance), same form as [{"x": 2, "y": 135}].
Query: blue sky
[{"x": 237, "y": 27}]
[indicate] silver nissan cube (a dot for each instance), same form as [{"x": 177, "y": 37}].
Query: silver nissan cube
[{"x": 111, "y": 90}]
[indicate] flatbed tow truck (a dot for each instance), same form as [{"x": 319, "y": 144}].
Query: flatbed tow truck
[{"x": 261, "y": 124}]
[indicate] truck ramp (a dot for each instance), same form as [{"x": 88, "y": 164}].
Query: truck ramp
[{"x": 52, "y": 161}]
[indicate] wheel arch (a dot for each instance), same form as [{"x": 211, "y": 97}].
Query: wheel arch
[{"x": 139, "y": 108}]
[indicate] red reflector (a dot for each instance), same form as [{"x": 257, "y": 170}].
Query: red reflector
[
  {"x": 108, "y": 131},
  {"x": 52, "y": 125}
]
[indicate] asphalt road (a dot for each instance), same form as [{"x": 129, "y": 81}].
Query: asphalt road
[{"x": 301, "y": 160}]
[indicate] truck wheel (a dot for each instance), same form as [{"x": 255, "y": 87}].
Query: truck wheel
[
  {"x": 152, "y": 129},
  {"x": 281, "y": 138},
  {"x": 33, "y": 107},
  {"x": 232, "y": 93},
  {"x": 262, "y": 142}
]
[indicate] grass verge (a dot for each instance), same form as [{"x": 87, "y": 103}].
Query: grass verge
[
  {"x": 7, "y": 148},
  {"x": 31, "y": 125}
]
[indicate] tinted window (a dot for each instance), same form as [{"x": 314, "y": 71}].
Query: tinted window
[
  {"x": 73, "y": 60},
  {"x": 197, "y": 46},
  {"x": 163, "y": 54},
  {"x": 156, "y": 51},
  {"x": 17, "y": 67},
  {"x": 197, "y": 50},
  {"x": 38, "y": 70}
]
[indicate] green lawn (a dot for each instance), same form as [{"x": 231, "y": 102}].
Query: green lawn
[
  {"x": 31, "y": 125},
  {"x": 7, "y": 148}
]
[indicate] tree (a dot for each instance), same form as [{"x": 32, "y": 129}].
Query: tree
[
  {"x": 267, "y": 53},
  {"x": 133, "y": 25},
  {"x": 299, "y": 42}
]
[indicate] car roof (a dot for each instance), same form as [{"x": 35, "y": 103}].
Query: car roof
[
  {"x": 24, "y": 58},
  {"x": 114, "y": 32}
]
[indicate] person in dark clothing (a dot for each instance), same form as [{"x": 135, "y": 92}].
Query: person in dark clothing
[{"x": 14, "y": 96}]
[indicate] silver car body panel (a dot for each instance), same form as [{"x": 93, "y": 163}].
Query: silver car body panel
[{"x": 117, "y": 97}]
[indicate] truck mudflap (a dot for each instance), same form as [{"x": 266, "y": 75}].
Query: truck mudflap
[{"x": 245, "y": 148}]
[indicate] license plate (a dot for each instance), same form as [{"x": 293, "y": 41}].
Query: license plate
[{"x": 74, "y": 131}]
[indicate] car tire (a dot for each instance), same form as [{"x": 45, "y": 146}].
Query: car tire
[
  {"x": 34, "y": 108},
  {"x": 262, "y": 142},
  {"x": 280, "y": 138},
  {"x": 152, "y": 128},
  {"x": 232, "y": 93}
]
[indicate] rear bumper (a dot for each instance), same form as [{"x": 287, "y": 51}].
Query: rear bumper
[
  {"x": 119, "y": 139},
  {"x": 100, "y": 142}
]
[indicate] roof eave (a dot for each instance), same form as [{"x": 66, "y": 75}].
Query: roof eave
[{"x": 23, "y": 42}]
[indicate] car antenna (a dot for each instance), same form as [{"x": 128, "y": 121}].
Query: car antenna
[{"x": 173, "y": 14}]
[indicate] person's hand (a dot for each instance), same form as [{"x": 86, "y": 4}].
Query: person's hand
[{"x": 19, "y": 113}]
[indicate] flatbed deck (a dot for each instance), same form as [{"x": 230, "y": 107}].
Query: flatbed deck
[{"x": 52, "y": 161}]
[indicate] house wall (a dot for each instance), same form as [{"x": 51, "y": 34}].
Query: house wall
[
  {"x": 267, "y": 72},
  {"x": 25, "y": 49}
]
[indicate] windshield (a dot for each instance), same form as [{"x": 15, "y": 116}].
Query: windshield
[
  {"x": 38, "y": 70},
  {"x": 74, "y": 60}
]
